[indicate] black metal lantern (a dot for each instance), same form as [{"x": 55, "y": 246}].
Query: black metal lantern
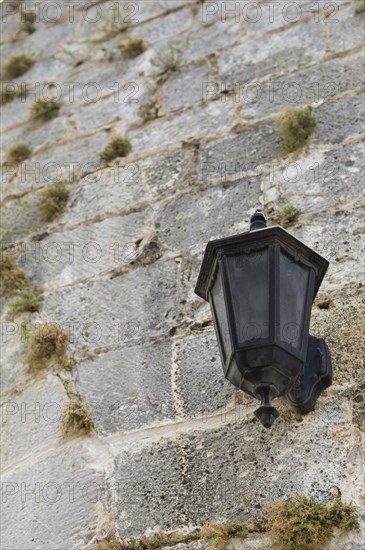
[{"x": 261, "y": 286}]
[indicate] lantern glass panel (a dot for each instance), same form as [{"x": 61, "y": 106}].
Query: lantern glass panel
[
  {"x": 220, "y": 313},
  {"x": 294, "y": 280},
  {"x": 248, "y": 277}
]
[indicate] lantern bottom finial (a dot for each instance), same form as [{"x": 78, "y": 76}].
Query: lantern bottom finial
[{"x": 266, "y": 413}]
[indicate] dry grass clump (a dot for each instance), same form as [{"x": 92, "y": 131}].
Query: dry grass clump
[
  {"x": 44, "y": 109},
  {"x": 12, "y": 279},
  {"x": 117, "y": 147},
  {"x": 220, "y": 534},
  {"x": 296, "y": 126},
  {"x": 360, "y": 7},
  {"x": 132, "y": 47},
  {"x": 17, "y": 65},
  {"x": 308, "y": 525},
  {"x": 18, "y": 153},
  {"x": 25, "y": 300},
  {"x": 288, "y": 215},
  {"x": 53, "y": 201},
  {"x": 48, "y": 341},
  {"x": 77, "y": 419}
]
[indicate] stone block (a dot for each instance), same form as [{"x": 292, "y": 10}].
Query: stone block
[
  {"x": 128, "y": 389},
  {"x": 345, "y": 29},
  {"x": 200, "y": 378},
  {"x": 65, "y": 257},
  {"x": 55, "y": 500},
  {"x": 255, "y": 59},
  {"x": 338, "y": 120},
  {"x": 231, "y": 471},
  {"x": 196, "y": 122},
  {"x": 185, "y": 88},
  {"x": 125, "y": 310},
  {"x": 125, "y": 191},
  {"x": 313, "y": 84},
  {"x": 234, "y": 155},
  {"x": 64, "y": 162},
  {"x": 192, "y": 219},
  {"x": 31, "y": 420}
]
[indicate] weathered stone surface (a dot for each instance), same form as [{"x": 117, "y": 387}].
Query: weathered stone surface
[
  {"x": 324, "y": 181},
  {"x": 36, "y": 136},
  {"x": 31, "y": 420},
  {"x": 231, "y": 156},
  {"x": 200, "y": 377},
  {"x": 19, "y": 218},
  {"x": 77, "y": 254},
  {"x": 268, "y": 55},
  {"x": 196, "y": 477},
  {"x": 191, "y": 81},
  {"x": 219, "y": 212},
  {"x": 345, "y": 29},
  {"x": 122, "y": 311},
  {"x": 197, "y": 122},
  {"x": 13, "y": 350},
  {"x": 338, "y": 120},
  {"x": 55, "y": 499},
  {"x": 307, "y": 86},
  {"x": 181, "y": 445},
  {"x": 65, "y": 162},
  {"x": 128, "y": 389},
  {"x": 125, "y": 191},
  {"x": 164, "y": 27}
]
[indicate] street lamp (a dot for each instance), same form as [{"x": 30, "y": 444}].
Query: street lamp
[{"x": 261, "y": 285}]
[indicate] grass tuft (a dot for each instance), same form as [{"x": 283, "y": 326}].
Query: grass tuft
[
  {"x": 220, "y": 534},
  {"x": 17, "y": 65},
  {"x": 308, "y": 525},
  {"x": 288, "y": 215},
  {"x": 44, "y": 109},
  {"x": 18, "y": 153},
  {"x": 53, "y": 201},
  {"x": 77, "y": 419},
  {"x": 360, "y": 8},
  {"x": 28, "y": 19},
  {"x": 25, "y": 300},
  {"x": 12, "y": 279},
  {"x": 170, "y": 61},
  {"x": 10, "y": 91},
  {"x": 132, "y": 47},
  {"x": 117, "y": 147},
  {"x": 48, "y": 341},
  {"x": 296, "y": 126}
]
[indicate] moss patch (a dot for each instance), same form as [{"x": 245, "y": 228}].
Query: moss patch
[
  {"x": 77, "y": 419},
  {"x": 308, "y": 525},
  {"x": 18, "y": 153},
  {"x": 10, "y": 91},
  {"x": 44, "y": 109},
  {"x": 296, "y": 126},
  {"x": 12, "y": 279},
  {"x": 288, "y": 215},
  {"x": 53, "y": 201},
  {"x": 17, "y": 65},
  {"x": 48, "y": 341},
  {"x": 25, "y": 300},
  {"x": 132, "y": 47},
  {"x": 117, "y": 147}
]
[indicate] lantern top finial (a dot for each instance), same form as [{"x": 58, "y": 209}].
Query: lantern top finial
[{"x": 257, "y": 221}]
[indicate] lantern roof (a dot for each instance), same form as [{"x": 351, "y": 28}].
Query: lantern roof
[{"x": 258, "y": 239}]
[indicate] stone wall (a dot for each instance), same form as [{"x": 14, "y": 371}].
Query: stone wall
[{"x": 175, "y": 444}]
